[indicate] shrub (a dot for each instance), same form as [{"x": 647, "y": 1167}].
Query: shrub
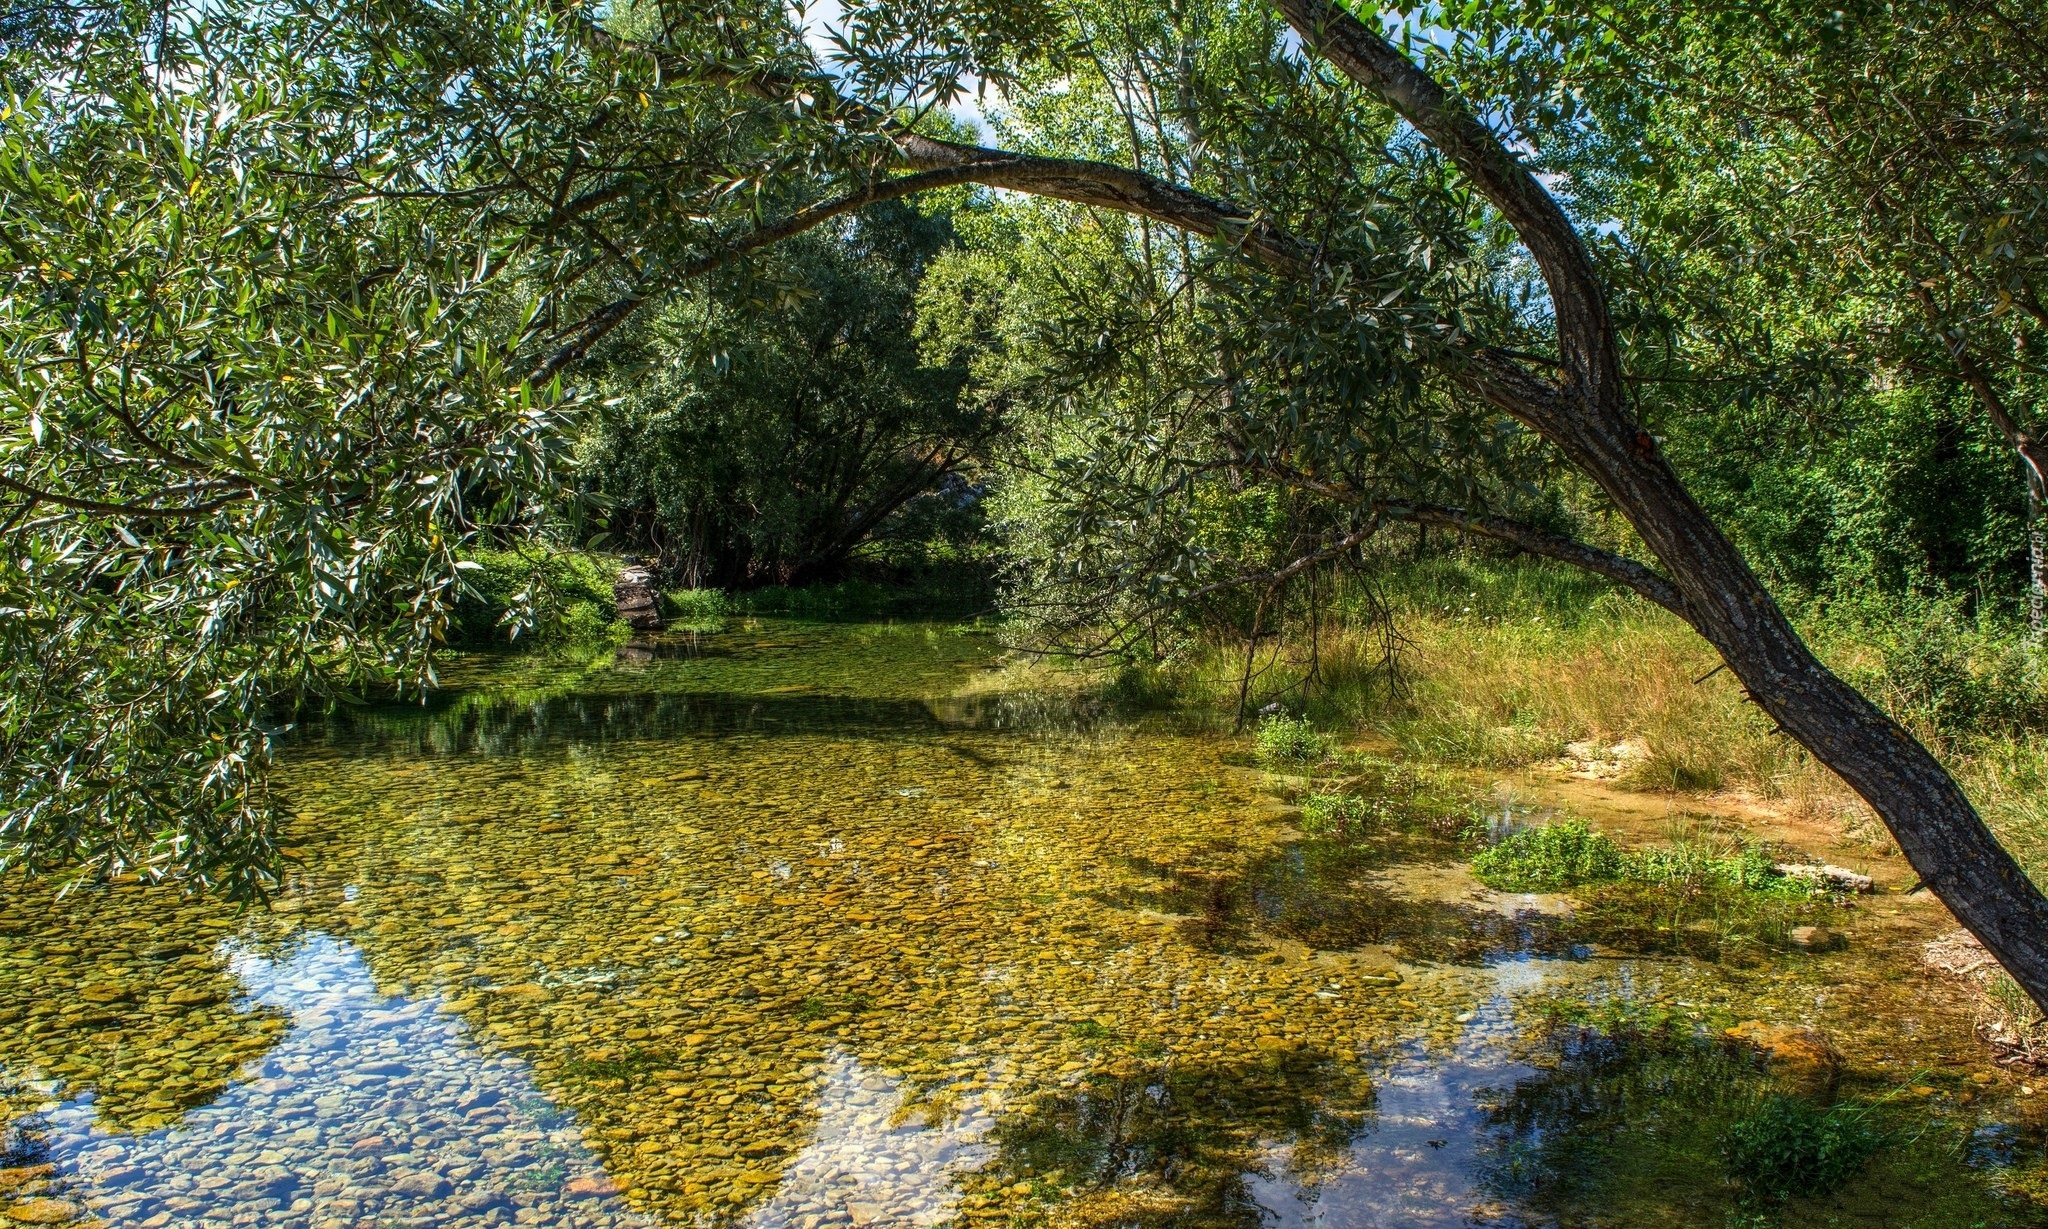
[
  {"x": 1789, "y": 1148},
  {"x": 1341, "y": 815},
  {"x": 552, "y": 582},
  {"x": 1547, "y": 859},
  {"x": 588, "y": 624},
  {"x": 1283, "y": 741},
  {"x": 1700, "y": 864},
  {"x": 695, "y": 608}
]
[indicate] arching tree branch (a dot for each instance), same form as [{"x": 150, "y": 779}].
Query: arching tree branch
[{"x": 1618, "y": 568}]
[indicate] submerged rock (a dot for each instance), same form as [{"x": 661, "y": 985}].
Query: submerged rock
[
  {"x": 42, "y": 1212},
  {"x": 1813, "y": 938},
  {"x": 1803, "y": 1057},
  {"x": 590, "y": 1188}
]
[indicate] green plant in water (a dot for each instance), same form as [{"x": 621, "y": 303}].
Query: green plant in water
[
  {"x": 1341, "y": 816},
  {"x": 546, "y": 1176},
  {"x": 1789, "y": 1148},
  {"x": 1569, "y": 853},
  {"x": 1289, "y": 742},
  {"x": 1088, "y": 1030},
  {"x": 1698, "y": 864},
  {"x": 1547, "y": 859},
  {"x": 586, "y": 623}
]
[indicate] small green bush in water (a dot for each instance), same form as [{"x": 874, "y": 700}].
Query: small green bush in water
[
  {"x": 1697, "y": 863},
  {"x": 1341, "y": 815},
  {"x": 1560, "y": 855},
  {"x": 1789, "y": 1148},
  {"x": 1569, "y": 853},
  {"x": 587, "y": 624},
  {"x": 1290, "y": 741}
]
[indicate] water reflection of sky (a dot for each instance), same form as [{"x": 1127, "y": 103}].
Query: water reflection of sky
[
  {"x": 876, "y": 1155},
  {"x": 372, "y": 1109},
  {"x": 1417, "y": 1164}
]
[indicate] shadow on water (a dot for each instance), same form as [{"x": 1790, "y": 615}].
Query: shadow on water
[
  {"x": 1331, "y": 896},
  {"x": 481, "y": 722},
  {"x": 583, "y": 720},
  {"x": 1185, "y": 1145}
]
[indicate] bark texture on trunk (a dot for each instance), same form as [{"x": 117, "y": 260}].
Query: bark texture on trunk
[{"x": 1587, "y": 417}]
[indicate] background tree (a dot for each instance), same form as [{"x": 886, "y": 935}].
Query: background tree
[{"x": 765, "y": 427}]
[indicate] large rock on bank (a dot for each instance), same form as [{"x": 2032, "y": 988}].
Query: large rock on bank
[{"x": 639, "y": 602}]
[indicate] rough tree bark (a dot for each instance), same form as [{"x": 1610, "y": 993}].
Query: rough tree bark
[{"x": 1584, "y": 413}]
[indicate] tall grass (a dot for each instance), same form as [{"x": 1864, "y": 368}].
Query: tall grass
[{"x": 1503, "y": 663}]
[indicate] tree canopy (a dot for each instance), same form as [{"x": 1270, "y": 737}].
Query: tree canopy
[{"x": 761, "y": 432}]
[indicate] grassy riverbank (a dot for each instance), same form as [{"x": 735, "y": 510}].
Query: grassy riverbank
[{"x": 1498, "y": 665}]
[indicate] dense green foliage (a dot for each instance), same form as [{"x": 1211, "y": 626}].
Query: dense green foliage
[
  {"x": 764, "y": 428},
  {"x": 1546, "y": 859},
  {"x": 1788, "y": 1148},
  {"x": 1830, "y": 230},
  {"x": 544, "y": 594},
  {"x": 1570, "y": 854},
  {"x": 1290, "y": 742},
  {"x": 245, "y": 423}
]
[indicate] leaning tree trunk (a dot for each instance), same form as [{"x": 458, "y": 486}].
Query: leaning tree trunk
[{"x": 1585, "y": 414}]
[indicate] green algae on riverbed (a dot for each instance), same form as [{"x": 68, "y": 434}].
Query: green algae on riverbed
[{"x": 779, "y": 927}]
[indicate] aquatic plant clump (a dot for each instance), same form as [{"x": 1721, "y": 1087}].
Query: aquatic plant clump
[
  {"x": 1791, "y": 1148},
  {"x": 1342, "y": 816},
  {"x": 1549, "y": 859},
  {"x": 696, "y": 609},
  {"x": 1570, "y": 854},
  {"x": 1290, "y": 742}
]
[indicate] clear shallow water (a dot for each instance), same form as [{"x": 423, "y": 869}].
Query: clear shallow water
[{"x": 785, "y": 927}]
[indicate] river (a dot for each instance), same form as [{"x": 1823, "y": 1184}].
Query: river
[{"x": 817, "y": 925}]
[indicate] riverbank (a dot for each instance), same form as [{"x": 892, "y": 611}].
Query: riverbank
[
  {"x": 566, "y": 598},
  {"x": 1549, "y": 691}
]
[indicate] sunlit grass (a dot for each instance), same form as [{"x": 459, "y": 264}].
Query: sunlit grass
[{"x": 1503, "y": 664}]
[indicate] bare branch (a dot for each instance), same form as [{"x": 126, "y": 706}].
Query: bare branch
[{"x": 1618, "y": 568}]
